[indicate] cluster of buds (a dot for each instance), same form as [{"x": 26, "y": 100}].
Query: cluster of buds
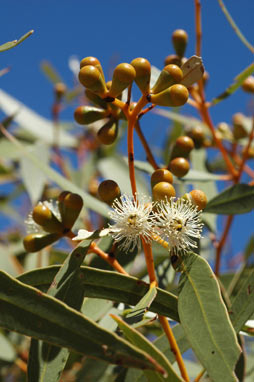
[{"x": 51, "y": 222}]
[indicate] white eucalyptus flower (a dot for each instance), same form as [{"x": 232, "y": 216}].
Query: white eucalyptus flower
[
  {"x": 133, "y": 219},
  {"x": 179, "y": 221}
]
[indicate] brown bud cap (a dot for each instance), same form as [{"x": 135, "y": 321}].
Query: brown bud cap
[
  {"x": 239, "y": 130},
  {"x": 143, "y": 73},
  {"x": 123, "y": 76},
  {"x": 108, "y": 191},
  {"x": 179, "y": 167},
  {"x": 43, "y": 216},
  {"x": 171, "y": 74},
  {"x": 94, "y": 62},
  {"x": 108, "y": 133},
  {"x": 35, "y": 241},
  {"x": 179, "y": 40},
  {"x": 175, "y": 95},
  {"x": 161, "y": 175},
  {"x": 163, "y": 190},
  {"x": 89, "y": 61},
  {"x": 197, "y": 135},
  {"x": 172, "y": 59},
  {"x": 70, "y": 205},
  {"x": 248, "y": 84},
  {"x": 91, "y": 78},
  {"x": 88, "y": 114},
  {"x": 182, "y": 147},
  {"x": 198, "y": 198}
]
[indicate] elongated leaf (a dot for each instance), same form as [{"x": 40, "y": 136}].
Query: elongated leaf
[
  {"x": 242, "y": 304},
  {"x": 205, "y": 320},
  {"x": 35, "y": 124},
  {"x": 186, "y": 121},
  {"x": 142, "y": 343},
  {"x": 29, "y": 172},
  {"x": 12, "y": 44},
  {"x": 46, "y": 362},
  {"x": 50, "y": 72},
  {"x": 143, "y": 305},
  {"x": 88, "y": 200},
  {"x": 110, "y": 286},
  {"x": 235, "y": 85},
  {"x": 28, "y": 311},
  {"x": 238, "y": 199},
  {"x": 162, "y": 344}
]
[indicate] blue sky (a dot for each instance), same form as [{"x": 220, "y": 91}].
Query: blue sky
[{"x": 118, "y": 31}]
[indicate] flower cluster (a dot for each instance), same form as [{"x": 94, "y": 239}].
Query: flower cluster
[{"x": 178, "y": 221}]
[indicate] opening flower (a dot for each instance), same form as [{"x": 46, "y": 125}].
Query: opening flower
[
  {"x": 179, "y": 220},
  {"x": 133, "y": 219}
]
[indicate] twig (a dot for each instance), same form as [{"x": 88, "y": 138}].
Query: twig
[{"x": 143, "y": 140}]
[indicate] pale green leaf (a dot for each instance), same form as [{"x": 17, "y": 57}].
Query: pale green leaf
[
  {"x": 205, "y": 320},
  {"x": 35, "y": 124},
  {"x": 12, "y": 44},
  {"x": 31, "y": 312},
  {"x": 143, "y": 343}
]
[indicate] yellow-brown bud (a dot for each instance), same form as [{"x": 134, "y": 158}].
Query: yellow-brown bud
[
  {"x": 108, "y": 191},
  {"x": 175, "y": 95},
  {"x": 108, "y": 133},
  {"x": 161, "y": 175},
  {"x": 180, "y": 40},
  {"x": 143, "y": 73},
  {"x": 123, "y": 76},
  {"x": 91, "y": 78},
  {"x": 70, "y": 205},
  {"x": 43, "y": 216},
  {"x": 170, "y": 75},
  {"x": 88, "y": 114},
  {"x": 35, "y": 241},
  {"x": 163, "y": 190},
  {"x": 179, "y": 167}
]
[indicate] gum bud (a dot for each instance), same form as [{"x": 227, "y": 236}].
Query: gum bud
[
  {"x": 35, "y": 242},
  {"x": 92, "y": 79},
  {"x": 198, "y": 198},
  {"x": 70, "y": 205},
  {"x": 161, "y": 175},
  {"x": 175, "y": 95},
  {"x": 163, "y": 190},
  {"x": 179, "y": 166},
  {"x": 182, "y": 147},
  {"x": 170, "y": 75},
  {"x": 239, "y": 130},
  {"x": 172, "y": 59},
  {"x": 108, "y": 133},
  {"x": 88, "y": 114},
  {"x": 108, "y": 191},
  {"x": 43, "y": 216},
  {"x": 248, "y": 84},
  {"x": 180, "y": 40},
  {"x": 143, "y": 73},
  {"x": 123, "y": 76}
]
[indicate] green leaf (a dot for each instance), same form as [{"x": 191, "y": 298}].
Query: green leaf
[
  {"x": 28, "y": 311},
  {"x": 46, "y": 362},
  {"x": 89, "y": 201},
  {"x": 242, "y": 304},
  {"x": 92, "y": 370},
  {"x": 235, "y": 85},
  {"x": 109, "y": 285},
  {"x": 143, "y": 343},
  {"x": 186, "y": 121},
  {"x": 238, "y": 199},
  {"x": 29, "y": 172},
  {"x": 36, "y": 125},
  {"x": 51, "y": 73},
  {"x": 143, "y": 305},
  {"x": 205, "y": 320},
  {"x": 12, "y": 44},
  {"x": 7, "y": 350},
  {"x": 162, "y": 344}
]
